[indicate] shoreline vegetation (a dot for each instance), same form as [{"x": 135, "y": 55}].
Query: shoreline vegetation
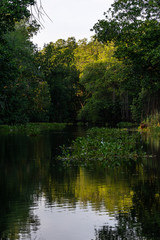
[
  {"x": 151, "y": 125},
  {"x": 101, "y": 146},
  {"x": 32, "y": 129}
]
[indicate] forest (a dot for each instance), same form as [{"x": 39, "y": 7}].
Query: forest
[
  {"x": 112, "y": 78},
  {"x": 71, "y": 166}
]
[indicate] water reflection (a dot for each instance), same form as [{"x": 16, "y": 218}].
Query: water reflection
[{"x": 40, "y": 199}]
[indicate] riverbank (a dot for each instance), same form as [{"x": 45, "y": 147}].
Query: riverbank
[
  {"x": 151, "y": 125},
  {"x": 32, "y": 129}
]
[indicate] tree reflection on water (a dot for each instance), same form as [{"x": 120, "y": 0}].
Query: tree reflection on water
[
  {"x": 29, "y": 171},
  {"x": 142, "y": 222}
]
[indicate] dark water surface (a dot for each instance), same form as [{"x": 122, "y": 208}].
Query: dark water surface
[{"x": 41, "y": 200}]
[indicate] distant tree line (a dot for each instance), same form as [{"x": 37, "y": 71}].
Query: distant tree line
[{"x": 111, "y": 78}]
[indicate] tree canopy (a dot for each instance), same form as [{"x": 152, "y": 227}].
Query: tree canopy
[
  {"x": 12, "y": 11},
  {"x": 19, "y": 74},
  {"x": 134, "y": 26},
  {"x": 113, "y": 77}
]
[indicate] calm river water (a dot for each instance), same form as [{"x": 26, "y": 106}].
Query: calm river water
[{"x": 41, "y": 200}]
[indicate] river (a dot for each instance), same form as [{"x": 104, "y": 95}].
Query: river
[{"x": 41, "y": 200}]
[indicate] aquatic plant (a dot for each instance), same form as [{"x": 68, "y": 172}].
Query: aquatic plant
[{"x": 105, "y": 147}]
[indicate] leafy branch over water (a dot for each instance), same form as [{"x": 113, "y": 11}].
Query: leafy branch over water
[{"x": 105, "y": 147}]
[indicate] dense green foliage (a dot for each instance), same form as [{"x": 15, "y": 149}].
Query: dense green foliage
[
  {"x": 56, "y": 60},
  {"x": 134, "y": 27},
  {"x": 112, "y": 78},
  {"x": 105, "y": 147},
  {"x": 24, "y": 95},
  {"x": 12, "y": 11},
  {"x": 101, "y": 77}
]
